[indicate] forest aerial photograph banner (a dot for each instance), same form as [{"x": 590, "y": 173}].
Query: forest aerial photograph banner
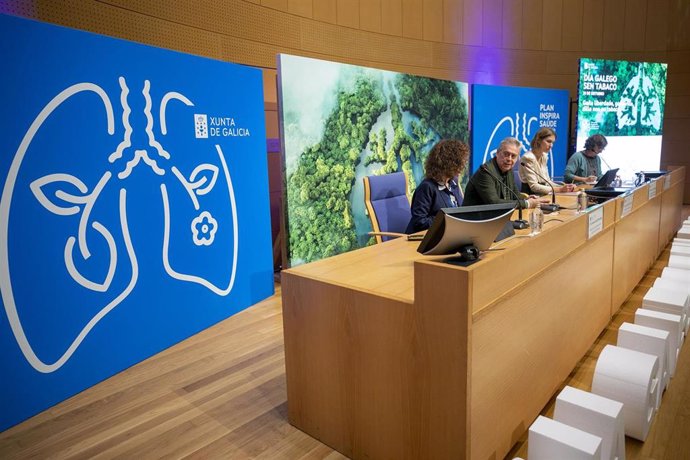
[
  {"x": 342, "y": 122},
  {"x": 624, "y": 101}
]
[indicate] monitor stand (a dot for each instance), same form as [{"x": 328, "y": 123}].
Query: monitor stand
[{"x": 469, "y": 254}]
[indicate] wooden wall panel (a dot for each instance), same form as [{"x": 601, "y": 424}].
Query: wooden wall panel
[
  {"x": 675, "y": 129},
  {"x": 552, "y": 16},
  {"x": 260, "y": 24},
  {"x": 676, "y": 153},
  {"x": 391, "y": 17},
  {"x": 325, "y": 11},
  {"x": 614, "y": 25},
  {"x": 412, "y": 13},
  {"x": 655, "y": 56},
  {"x": 679, "y": 63},
  {"x": 281, "y": 5},
  {"x": 472, "y": 22},
  {"x": 677, "y": 107},
  {"x": 370, "y": 15},
  {"x": 656, "y": 25},
  {"x": 572, "y": 21},
  {"x": 564, "y": 63},
  {"x": 635, "y": 20},
  {"x": 452, "y": 21},
  {"x": 470, "y": 58},
  {"x": 516, "y": 42},
  {"x": 348, "y": 13},
  {"x": 678, "y": 30},
  {"x": 512, "y": 24},
  {"x": 325, "y": 40},
  {"x": 432, "y": 20},
  {"x": 301, "y": 8},
  {"x": 677, "y": 83},
  {"x": 532, "y": 28},
  {"x": 492, "y": 23},
  {"x": 592, "y": 25}
]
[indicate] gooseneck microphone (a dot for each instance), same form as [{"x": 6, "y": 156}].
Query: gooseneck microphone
[
  {"x": 520, "y": 223},
  {"x": 605, "y": 162},
  {"x": 545, "y": 207}
]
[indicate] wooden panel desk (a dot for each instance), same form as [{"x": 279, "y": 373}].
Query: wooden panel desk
[{"x": 391, "y": 354}]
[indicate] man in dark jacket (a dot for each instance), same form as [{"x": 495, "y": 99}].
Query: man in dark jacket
[{"x": 493, "y": 183}]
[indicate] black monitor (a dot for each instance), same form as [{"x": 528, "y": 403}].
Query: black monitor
[
  {"x": 454, "y": 228},
  {"x": 607, "y": 179}
]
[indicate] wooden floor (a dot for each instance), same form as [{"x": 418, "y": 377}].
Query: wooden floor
[{"x": 221, "y": 394}]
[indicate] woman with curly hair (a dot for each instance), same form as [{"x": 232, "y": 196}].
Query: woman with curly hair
[{"x": 439, "y": 189}]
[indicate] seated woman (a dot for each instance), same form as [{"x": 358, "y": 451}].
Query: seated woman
[
  {"x": 535, "y": 161},
  {"x": 439, "y": 189},
  {"x": 585, "y": 166}
]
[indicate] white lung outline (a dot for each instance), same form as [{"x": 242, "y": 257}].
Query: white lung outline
[
  {"x": 514, "y": 131},
  {"x": 166, "y": 238},
  {"x": 5, "y": 202},
  {"x": 74, "y": 272},
  {"x": 88, "y": 200},
  {"x": 164, "y": 104},
  {"x": 13, "y": 316}
]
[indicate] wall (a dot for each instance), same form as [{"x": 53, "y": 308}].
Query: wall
[{"x": 511, "y": 42}]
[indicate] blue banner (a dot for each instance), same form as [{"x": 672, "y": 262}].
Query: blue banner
[
  {"x": 502, "y": 111},
  {"x": 134, "y": 209}
]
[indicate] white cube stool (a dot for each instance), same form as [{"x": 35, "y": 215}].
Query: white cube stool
[
  {"x": 680, "y": 249},
  {"x": 684, "y": 232},
  {"x": 676, "y": 274},
  {"x": 629, "y": 377},
  {"x": 652, "y": 341},
  {"x": 596, "y": 415},
  {"x": 676, "y": 285},
  {"x": 674, "y": 301},
  {"x": 666, "y": 322},
  {"x": 672, "y": 283},
  {"x": 676, "y": 261},
  {"x": 549, "y": 440}
]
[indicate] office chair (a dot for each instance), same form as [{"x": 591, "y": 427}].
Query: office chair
[
  {"x": 387, "y": 204},
  {"x": 516, "y": 176}
]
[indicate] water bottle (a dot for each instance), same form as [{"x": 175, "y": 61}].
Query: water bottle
[
  {"x": 617, "y": 182},
  {"x": 581, "y": 201},
  {"x": 536, "y": 220}
]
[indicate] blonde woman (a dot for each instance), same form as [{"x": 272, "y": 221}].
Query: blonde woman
[{"x": 535, "y": 175}]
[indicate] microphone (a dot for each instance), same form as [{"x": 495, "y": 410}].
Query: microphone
[
  {"x": 545, "y": 207},
  {"x": 605, "y": 162},
  {"x": 520, "y": 223}
]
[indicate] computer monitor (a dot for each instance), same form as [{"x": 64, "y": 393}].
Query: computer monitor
[
  {"x": 454, "y": 228},
  {"x": 607, "y": 179}
]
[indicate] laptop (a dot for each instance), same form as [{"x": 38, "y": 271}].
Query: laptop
[{"x": 607, "y": 179}]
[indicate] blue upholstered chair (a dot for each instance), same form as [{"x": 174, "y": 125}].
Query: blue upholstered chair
[
  {"x": 516, "y": 175},
  {"x": 387, "y": 204}
]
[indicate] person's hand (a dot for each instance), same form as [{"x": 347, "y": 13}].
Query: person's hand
[
  {"x": 591, "y": 179},
  {"x": 568, "y": 188},
  {"x": 533, "y": 200}
]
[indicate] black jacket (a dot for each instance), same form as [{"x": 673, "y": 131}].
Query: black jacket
[{"x": 427, "y": 200}]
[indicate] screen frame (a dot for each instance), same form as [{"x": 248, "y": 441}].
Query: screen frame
[{"x": 479, "y": 227}]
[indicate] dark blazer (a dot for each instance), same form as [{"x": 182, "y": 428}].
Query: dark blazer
[
  {"x": 483, "y": 188},
  {"x": 427, "y": 200}
]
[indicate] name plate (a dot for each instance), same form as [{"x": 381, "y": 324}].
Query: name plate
[
  {"x": 596, "y": 222},
  {"x": 627, "y": 205},
  {"x": 652, "y": 189},
  {"x": 667, "y": 181}
]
